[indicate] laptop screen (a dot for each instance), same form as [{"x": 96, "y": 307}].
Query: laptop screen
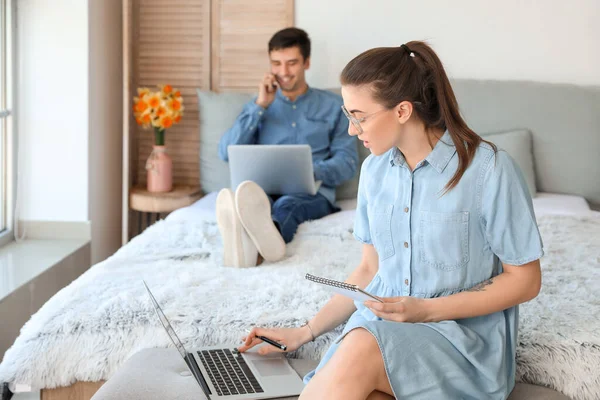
[{"x": 165, "y": 322}]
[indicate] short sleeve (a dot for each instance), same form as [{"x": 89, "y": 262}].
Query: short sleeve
[
  {"x": 507, "y": 212},
  {"x": 362, "y": 232}
]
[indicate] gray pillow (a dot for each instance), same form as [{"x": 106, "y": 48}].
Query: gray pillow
[
  {"x": 217, "y": 112},
  {"x": 519, "y": 144},
  {"x": 349, "y": 189}
]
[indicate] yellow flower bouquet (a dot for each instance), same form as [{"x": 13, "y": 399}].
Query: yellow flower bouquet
[{"x": 160, "y": 110}]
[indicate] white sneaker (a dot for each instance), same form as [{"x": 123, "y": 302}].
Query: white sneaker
[
  {"x": 254, "y": 210},
  {"x": 238, "y": 248}
]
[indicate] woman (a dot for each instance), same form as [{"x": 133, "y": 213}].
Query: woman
[{"x": 450, "y": 243}]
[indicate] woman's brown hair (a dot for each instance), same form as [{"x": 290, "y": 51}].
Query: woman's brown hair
[{"x": 413, "y": 72}]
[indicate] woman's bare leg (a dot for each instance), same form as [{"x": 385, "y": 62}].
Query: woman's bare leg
[{"x": 355, "y": 371}]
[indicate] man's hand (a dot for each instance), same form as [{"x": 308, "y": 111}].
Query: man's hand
[{"x": 266, "y": 91}]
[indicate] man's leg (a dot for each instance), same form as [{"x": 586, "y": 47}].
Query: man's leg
[{"x": 291, "y": 210}]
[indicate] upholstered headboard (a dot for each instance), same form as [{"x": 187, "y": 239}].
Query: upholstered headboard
[{"x": 564, "y": 121}]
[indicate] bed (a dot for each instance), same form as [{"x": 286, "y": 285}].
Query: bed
[{"x": 81, "y": 336}]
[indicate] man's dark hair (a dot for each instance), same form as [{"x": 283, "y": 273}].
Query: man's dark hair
[{"x": 291, "y": 37}]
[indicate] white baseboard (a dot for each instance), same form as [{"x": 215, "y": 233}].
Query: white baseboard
[{"x": 56, "y": 229}]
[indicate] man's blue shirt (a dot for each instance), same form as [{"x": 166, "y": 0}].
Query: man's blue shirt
[{"x": 314, "y": 118}]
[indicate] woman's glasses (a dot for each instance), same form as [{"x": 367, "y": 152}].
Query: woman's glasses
[{"x": 357, "y": 121}]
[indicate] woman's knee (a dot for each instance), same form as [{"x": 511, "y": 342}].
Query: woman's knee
[
  {"x": 360, "y": 339},
  {"x": 360, "y": 349}
]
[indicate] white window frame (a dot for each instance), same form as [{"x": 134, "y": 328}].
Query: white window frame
[{"x": 8, "y": 139}]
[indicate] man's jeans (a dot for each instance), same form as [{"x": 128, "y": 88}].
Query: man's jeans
[{"x": 289, "y": 211}]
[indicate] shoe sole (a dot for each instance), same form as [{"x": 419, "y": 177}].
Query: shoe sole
[
  {"x": 254, "y": 209},
  {"x": 232, "y": 232}
]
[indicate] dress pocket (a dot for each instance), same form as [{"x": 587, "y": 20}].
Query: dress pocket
[
  {"x": 380, "y": 223},
  {"x": 444, "y": 239}
]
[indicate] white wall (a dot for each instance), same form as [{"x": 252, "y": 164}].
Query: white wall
[
  {"x": 540, "y": 40},
  {"x": 53, "y": 109},
  {"x": 70, "y": 115},
  {"x": 105, "y": 126}
]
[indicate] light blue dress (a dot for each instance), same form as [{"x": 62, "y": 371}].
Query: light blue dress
[{"x": 431, "y": 245}]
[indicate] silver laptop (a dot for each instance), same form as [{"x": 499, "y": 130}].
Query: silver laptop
[
  {"x": 278, "y": 169},
  {"x": 223, "y": 372}
]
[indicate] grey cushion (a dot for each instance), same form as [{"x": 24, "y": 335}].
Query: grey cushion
[
  {"x": 217, "y": 113},
  {"x": 519, "y": 145},
  {"x": 154, "y": 374},
  {"x": 349, "y": 189}
]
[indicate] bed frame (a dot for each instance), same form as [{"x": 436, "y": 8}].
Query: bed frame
[{"x": 77, "y": 391}]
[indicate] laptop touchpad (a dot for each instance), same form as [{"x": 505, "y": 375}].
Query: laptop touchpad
[{"x": 271, "y": 367}]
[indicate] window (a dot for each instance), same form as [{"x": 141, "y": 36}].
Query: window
[{"x": 7, "y": 142}]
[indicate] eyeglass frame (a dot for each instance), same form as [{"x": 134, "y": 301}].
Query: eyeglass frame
[{"x": 357, "y": 121}]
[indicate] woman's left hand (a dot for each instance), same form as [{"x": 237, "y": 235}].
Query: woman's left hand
[{"x": 400, "y": 309}]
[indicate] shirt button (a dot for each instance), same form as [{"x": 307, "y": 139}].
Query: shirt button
[
  {"x": 406, "y": 281},
  {"x": 405, "y": 209},
  {"x": 406, "y": 244},
  {"x": 293, "y": 124},
  {"x": 294, "y": 106},
  {"x": 260, "y": 113}
]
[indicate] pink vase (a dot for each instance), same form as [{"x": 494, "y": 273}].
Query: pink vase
[{"x": 159, "y": 168}]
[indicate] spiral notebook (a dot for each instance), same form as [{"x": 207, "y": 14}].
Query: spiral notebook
[{"x": 346, "y": 289}]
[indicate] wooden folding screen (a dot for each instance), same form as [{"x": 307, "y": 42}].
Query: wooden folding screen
[
  {"x": 219, "y": 45},
  {"x": 241, "y": 30}
]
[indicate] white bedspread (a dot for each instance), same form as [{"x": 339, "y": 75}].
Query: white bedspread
[{"x": 87, "y": 330}]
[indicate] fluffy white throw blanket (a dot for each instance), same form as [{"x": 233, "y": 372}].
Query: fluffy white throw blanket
[{"x": 90, "y": 328}]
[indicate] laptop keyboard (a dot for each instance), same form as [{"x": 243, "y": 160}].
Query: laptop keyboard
[{"x": 229, "y": 373}]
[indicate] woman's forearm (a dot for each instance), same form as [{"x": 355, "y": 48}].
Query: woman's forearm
[
  {"x": 516, "y": 285},
  {"x": 340, "y": 308}
]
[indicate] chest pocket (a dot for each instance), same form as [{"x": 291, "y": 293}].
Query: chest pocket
[
  {"x": 380, "y": 223},
  {"x": 444, "y": 239}
]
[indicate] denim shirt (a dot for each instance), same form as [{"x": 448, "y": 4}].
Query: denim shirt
[
  {"x": 314, "y": 118},
  {"x": 432, "y": 245}
]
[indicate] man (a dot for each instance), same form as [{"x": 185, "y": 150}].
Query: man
[{"x": 286, "y": 111}]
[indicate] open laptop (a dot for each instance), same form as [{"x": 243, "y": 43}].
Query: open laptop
[
  {"x": 278, "y": 169},
  {"x": 223, "y": 372}
]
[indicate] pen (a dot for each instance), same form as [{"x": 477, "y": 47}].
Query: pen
[{"x": 271, "y": 342}]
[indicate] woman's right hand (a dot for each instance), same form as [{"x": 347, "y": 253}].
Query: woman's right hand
[{"x": 293, "y": 338}]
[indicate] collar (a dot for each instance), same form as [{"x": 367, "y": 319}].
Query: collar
[
  {"x": 442, "y": 153},
  {"x": 286, "y": 99},
  {"x": 438, "y": 158},
  {"x": 396, "y": 157}
]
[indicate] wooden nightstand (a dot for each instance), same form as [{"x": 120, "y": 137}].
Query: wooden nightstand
[{"x": 143, "y": 201}]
